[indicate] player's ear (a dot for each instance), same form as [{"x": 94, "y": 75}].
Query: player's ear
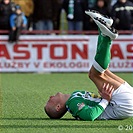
[{"x": 58, "y": 107}]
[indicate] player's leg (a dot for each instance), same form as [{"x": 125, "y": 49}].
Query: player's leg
[
  {"x": 102, "y": 57},
  {"x": 104, "y": 62},
  {"x": 113, "y": 76},
  {"x": 100, "y": 74},
  {"x": 100, "y": 78}
]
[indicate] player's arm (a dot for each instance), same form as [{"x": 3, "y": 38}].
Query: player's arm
[{"x": 91, "y": 113}]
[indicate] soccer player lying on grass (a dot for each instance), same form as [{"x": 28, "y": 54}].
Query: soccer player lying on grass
[{"x": 116, "y": 101}]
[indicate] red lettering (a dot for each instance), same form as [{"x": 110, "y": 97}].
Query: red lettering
[
  {"x": 25, "y": 53},
  {"x": 4, "y": 52},
  {"x": 36, "y": 64},
  {"x": 116, "y": 51},
  {"x": 52, "y": 51},
  {"x": 130, "y": 50},
  {"x": 39, "y": 48},
  {"x": 83, "y": 53}
]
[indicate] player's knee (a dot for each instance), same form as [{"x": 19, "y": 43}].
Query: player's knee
[{"x": 93, "y": 74}]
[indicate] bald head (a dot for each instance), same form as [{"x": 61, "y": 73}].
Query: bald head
[
  {"x": 55, "y": 107},
  {"x": 53, "y": 113}
]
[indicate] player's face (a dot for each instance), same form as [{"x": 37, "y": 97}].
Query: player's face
[
  {"x": 55, "y": 105},
  {"x": 56, "y": 99}
]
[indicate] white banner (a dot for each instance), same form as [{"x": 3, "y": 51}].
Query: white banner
[{"x": 62, "y": 53}]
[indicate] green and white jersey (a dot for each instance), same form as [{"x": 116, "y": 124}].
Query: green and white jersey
[{"x": 85, "y": 105}]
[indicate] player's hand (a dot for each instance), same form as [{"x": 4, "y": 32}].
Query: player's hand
[{"x": 107, "y": 91}]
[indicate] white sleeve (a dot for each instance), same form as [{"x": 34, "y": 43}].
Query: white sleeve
[{"x": 104, "y": 103}]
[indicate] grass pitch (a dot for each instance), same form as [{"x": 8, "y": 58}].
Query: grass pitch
[{"x": 23, "y": 96}]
